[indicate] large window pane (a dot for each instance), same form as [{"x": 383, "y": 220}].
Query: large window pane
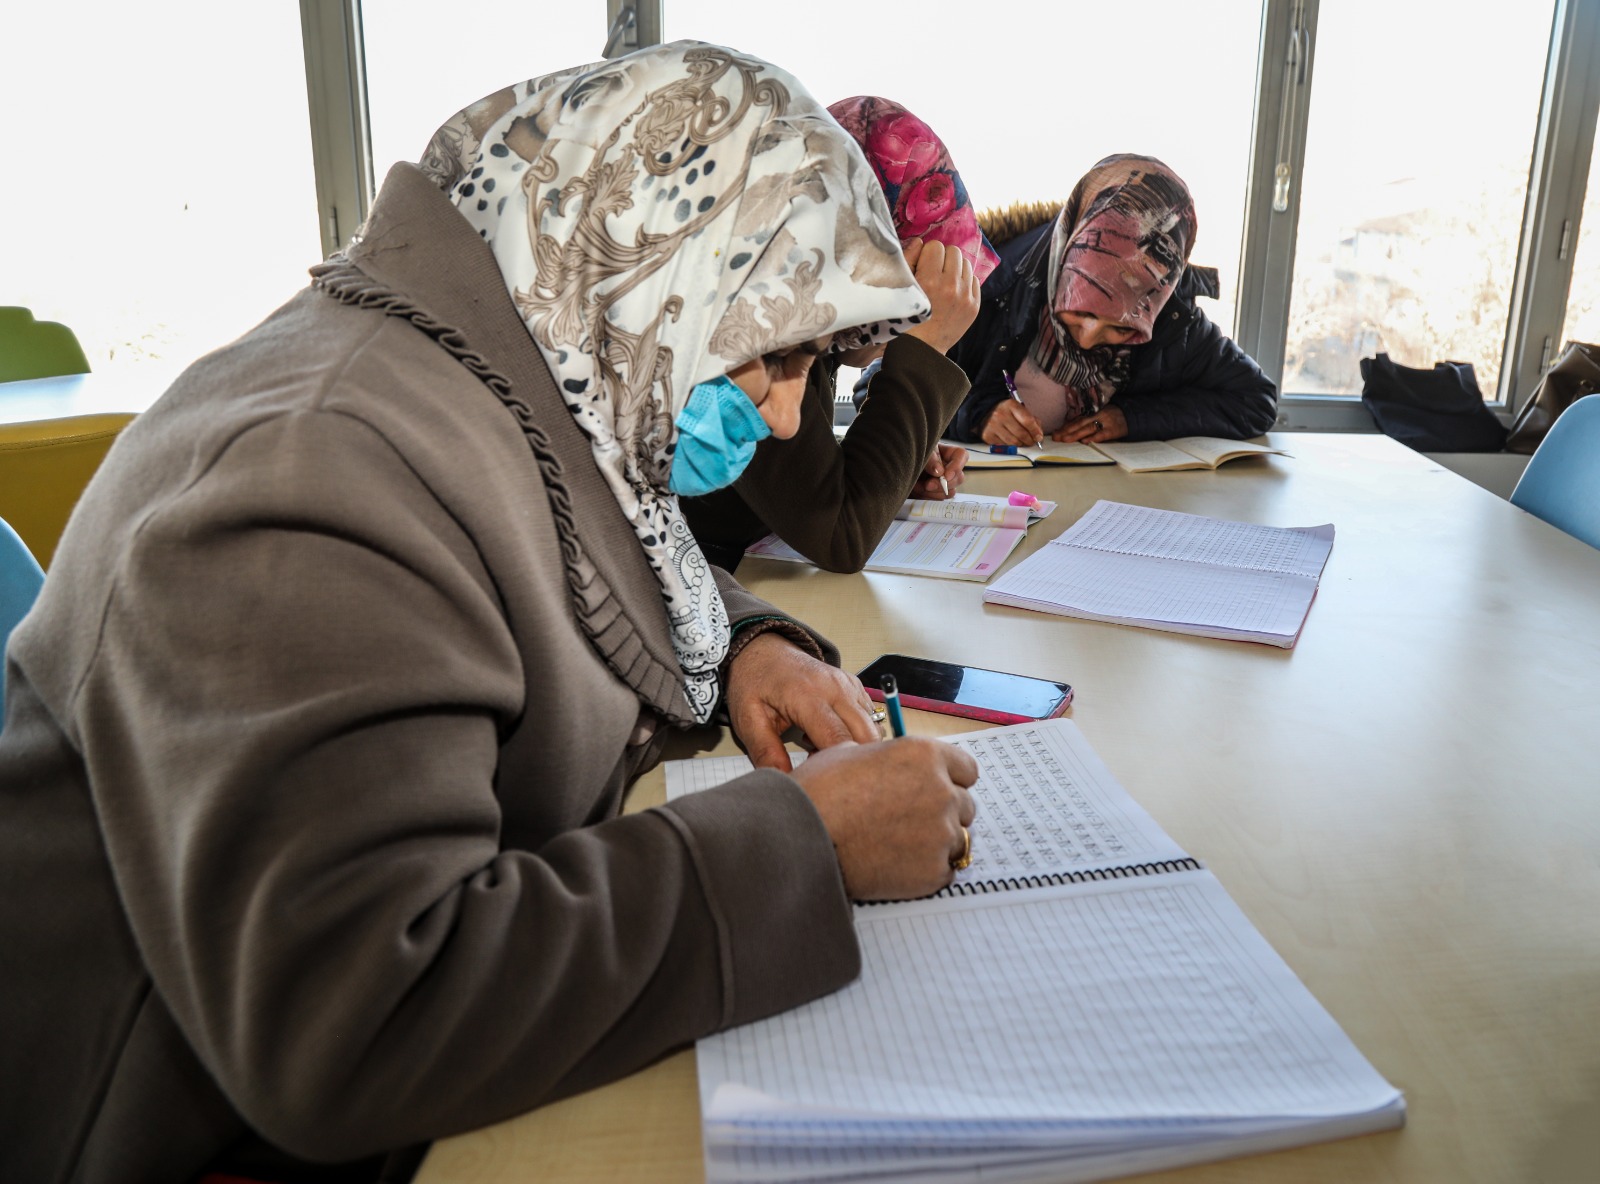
[
  {"x": 1028, "y": 94},
  {"x": 1421, "y": 132},
  {"x": 157, "y": 196},
  {"x": 426, "y": 61},
  {"x": 1583, "y": 298}
]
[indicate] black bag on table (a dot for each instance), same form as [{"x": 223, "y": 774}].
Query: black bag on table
[{"x": 1438, "y": 410}]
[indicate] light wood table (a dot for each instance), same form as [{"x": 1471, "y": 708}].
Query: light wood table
[{"x": 1407, "y": 805}]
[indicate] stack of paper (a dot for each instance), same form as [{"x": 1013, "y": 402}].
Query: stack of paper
[{"x": 1183, "y": 573}]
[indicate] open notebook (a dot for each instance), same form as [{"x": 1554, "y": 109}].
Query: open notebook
[
  {"x": 1144, "y": 456},
  {"x": 967, "y": 537},
  {"x": 1085, "y": 1001},
  {"x": 1180, "y": 573}
]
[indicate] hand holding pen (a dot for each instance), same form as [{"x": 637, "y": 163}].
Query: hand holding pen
[
  {"x": 943, "y": 474},
  {"x": 891, "y": 704},
  {"x": 961, "y": 860},
  {"x": 1011, "y": 423}
]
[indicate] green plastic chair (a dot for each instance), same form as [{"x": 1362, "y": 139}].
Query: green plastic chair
[{"x": 37, "y": 349}]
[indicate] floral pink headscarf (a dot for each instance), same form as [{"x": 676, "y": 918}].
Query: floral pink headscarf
[
  {"x": 1118, "y": 250},
  {"x": 925, "y": 192}
]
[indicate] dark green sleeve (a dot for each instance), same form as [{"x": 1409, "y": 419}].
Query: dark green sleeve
[{"x": 832, "y": 500}]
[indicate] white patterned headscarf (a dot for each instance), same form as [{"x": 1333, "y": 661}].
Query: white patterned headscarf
[{"x": 660, "y": 219}]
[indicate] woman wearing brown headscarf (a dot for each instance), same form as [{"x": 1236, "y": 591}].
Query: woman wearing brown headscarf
[{"x": 1089, "y": 330}]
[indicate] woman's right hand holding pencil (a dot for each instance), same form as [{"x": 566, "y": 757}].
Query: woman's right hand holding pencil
[{"x": 1012, "y": 423}]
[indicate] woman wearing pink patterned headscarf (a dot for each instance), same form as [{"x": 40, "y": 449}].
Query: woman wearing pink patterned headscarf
[
  {"x": 924, "y": 191},
  {"x": 854, "y": 487},
  {"x": 1089, "y": 331}
]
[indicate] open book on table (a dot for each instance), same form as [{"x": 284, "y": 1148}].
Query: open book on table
[
  {"x": 1181, "y": 573},
  {"x": 965, "y": 538},
  {"x": 1145, "y": 456},
  {"x": 1085, "y": 1001}
]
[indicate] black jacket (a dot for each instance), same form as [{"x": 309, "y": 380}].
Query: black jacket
[{"x": 1187, "y": 380}]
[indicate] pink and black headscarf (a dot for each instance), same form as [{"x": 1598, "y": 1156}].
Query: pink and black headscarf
[
  {"x": 1118, "y": 250},
  {"x": 919, "y": 179}
]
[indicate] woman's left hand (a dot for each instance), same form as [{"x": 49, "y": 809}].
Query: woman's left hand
[
  {"x": 1108, "y": 423},
  {"x": 948, "y": 462},
  {"x": 774, "y": 685}
]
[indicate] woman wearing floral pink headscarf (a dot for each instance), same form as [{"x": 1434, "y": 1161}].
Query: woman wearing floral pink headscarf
[
  {"x": 1089, "y": 330},
  {"x": 853, "y": 487},
  {"x": 924, "y": 191}
]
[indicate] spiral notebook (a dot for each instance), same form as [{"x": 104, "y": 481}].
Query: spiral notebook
[{"x": 1085, "y": 1001}]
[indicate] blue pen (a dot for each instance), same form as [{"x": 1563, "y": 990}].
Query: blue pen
[
  {"x": 891, "y": 701},
  {"x": 1004, "y": 449}
]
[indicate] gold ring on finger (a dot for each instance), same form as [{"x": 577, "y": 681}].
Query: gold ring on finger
[{"x": 964, "y": 860}]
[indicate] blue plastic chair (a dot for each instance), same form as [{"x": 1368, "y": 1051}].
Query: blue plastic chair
[
  {"x": 21, "y": 577},
  {"x": 1562, "y": 481}
]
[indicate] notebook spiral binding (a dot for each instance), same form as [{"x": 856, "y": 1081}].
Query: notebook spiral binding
[{"x": 1056, "y": 879}]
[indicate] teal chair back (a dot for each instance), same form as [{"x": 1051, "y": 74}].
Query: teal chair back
[
  {"x": 37, "y": 349},
  {"x": 21, "y": 577},
  {"x": 1562, "y": 481}
]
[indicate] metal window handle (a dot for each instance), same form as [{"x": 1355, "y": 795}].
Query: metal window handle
[
  {"x": 624, "y": 23},
  {"x": 1280, "y": 187},
  {"x": 1294, "y": 80}
]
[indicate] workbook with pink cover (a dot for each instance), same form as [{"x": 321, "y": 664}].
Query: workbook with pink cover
[{"x": 967, "y": 537}]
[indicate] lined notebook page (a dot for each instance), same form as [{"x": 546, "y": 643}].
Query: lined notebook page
[
  {"x": 1148, "y": 454},
  {"x": 1143, "y": 999},
  {"x": 1061, "y": 450},
  {"x": 1122, "y": 587},
  {"x": 1183, "y": 572},
  {"x": 1168, "y": 534},
  {"x": 1047, "y": 805}
]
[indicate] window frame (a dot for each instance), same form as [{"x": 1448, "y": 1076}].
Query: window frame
[
  {"x": 1548, "y": 237},
  {"x": 341, "y": 137},
  {"x": 1557, "y": 185}
]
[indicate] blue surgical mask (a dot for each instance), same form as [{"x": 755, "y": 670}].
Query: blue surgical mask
[{"x": 718, "y": 430}]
